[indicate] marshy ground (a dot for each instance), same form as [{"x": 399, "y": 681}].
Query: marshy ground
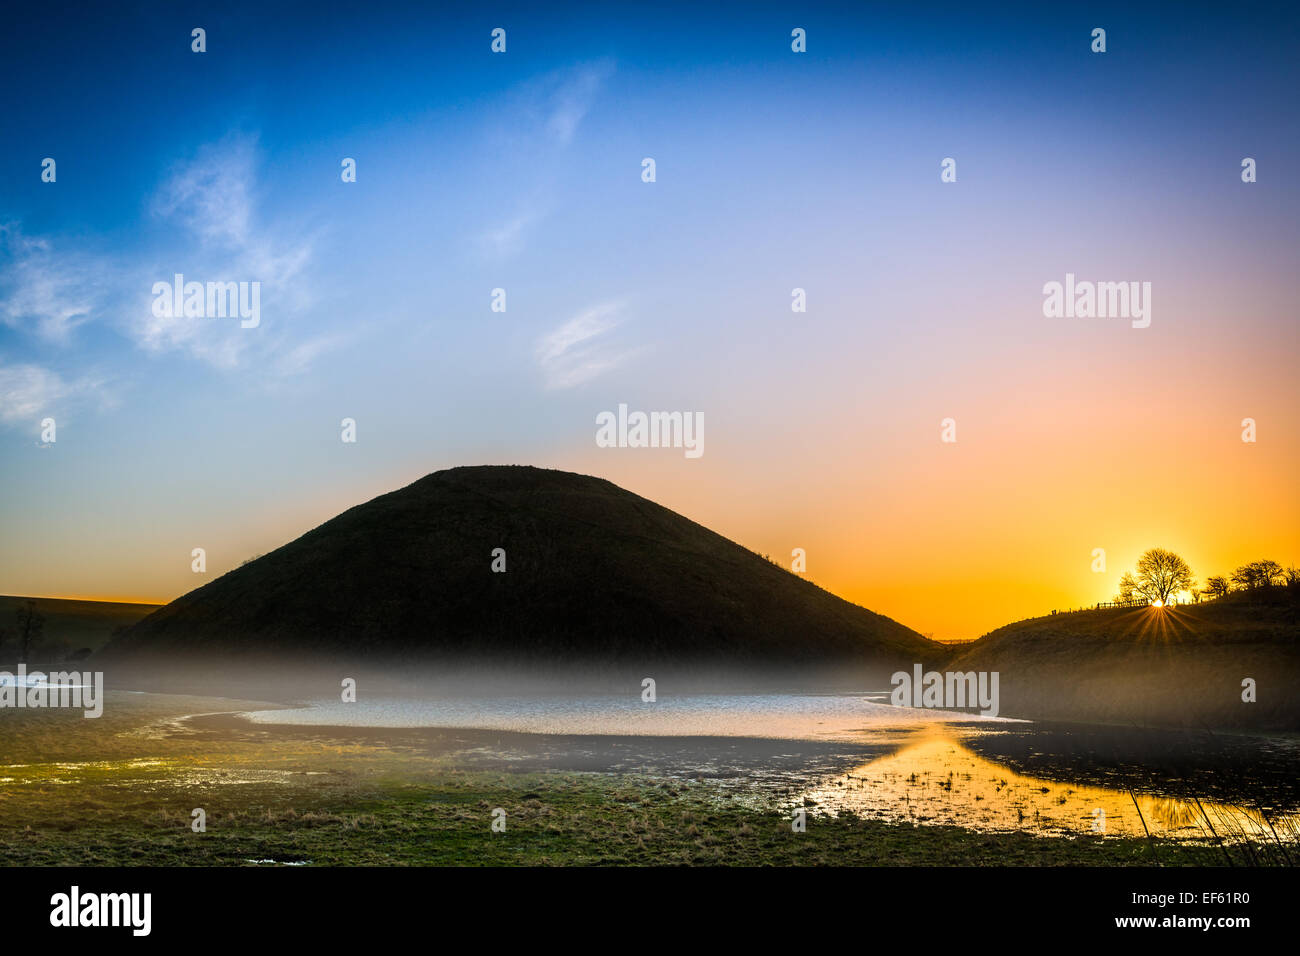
[{"x": 121, "y": 790}]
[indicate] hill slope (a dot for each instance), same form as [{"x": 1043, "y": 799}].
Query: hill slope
[
  {"x": 70, "y": 624},
  {"x": 594, "y": 573},
  {"x": 1173, "y": 666}
]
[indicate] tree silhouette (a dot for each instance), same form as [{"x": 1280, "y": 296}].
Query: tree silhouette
[
  {"x": 1258, "y": 574},
  {"x": 1161, "y": 574},
  {"x": 1217, "y": 586},
  {"x": 31, "y": 626}
]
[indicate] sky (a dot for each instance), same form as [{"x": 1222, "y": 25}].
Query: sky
[{"x": 774, "y": 171}]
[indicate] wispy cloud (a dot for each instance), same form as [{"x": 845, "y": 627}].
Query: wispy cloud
[
  {"x": 546, "y": 113},
  {"x": 571, "y": 99},
  {"x": 579, "y": 350},
  {"x": 508, "y": 237},
  {"x": 211, "y": 195},
  {"x": 43, "y": 291},
  {"x": 29, "y": 391},
  {"x": 213, "y": 199},
  {"x": 298, "y": 359}
]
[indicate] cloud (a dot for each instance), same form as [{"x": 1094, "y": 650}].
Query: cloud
[
  {"x": 579, "y": 350},
  {"x": 299, "y": 358},
  {"x": 41, "y": 291},
  {"x": 29, "y": 391},
  {"x": 211, "y": 195},
  {"x": 545, "y": 115},
  {"x": 212, "y": 198},
  {"x": 572, "y": 98},
  {"x": 507, "y": 238},
  {"x": 211, "y": 201}
]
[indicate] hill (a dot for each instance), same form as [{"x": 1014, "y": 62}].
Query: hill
[
  {"x": 70, "y": 625},
  {"x": 593, "y": 573},
  {"x": 1181, "y": 665}
]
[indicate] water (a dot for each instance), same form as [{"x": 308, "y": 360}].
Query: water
[
  {"x": 856, "y": 753},
  {"x": 936, "y": 779},
  {"x": 845, "y": 717}
]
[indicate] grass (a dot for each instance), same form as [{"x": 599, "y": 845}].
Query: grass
[
  {"x": 551, "y": 819},
  {"x": 120, "y": 791}
]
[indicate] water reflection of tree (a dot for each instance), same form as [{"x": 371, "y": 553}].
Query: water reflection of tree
[{"x": 1171, "y": 813}]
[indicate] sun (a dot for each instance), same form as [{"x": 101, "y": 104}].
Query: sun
[{"x": 1157, "y": 603}]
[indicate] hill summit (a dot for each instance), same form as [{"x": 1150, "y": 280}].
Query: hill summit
[{"x": 593, "y": 573}]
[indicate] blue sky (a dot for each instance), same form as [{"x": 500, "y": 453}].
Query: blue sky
[{"x": 522, "y": 171}]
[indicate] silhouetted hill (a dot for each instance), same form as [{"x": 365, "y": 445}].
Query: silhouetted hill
[
  {"x": 594, "y": 573},
  {"x": 1180, "y": 665},
  {"x": 71, "y": 625}
]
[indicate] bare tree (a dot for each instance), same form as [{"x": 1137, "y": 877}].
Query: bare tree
[
  {"x": 1161, "y": 574},
  {"x": 1258, "y": 574},
  {"x": 1217, "y": 586},
  {"x": 31, "y": 627},
  {"x": 1272, "y": 572},
  {"x": 1128, "y": 587}
]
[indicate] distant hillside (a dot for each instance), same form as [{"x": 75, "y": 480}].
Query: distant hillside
[
  {"x": 69, "y": 625},
  {"x": 1173, "y": 666},
  {"x": 594, "y": 573}
]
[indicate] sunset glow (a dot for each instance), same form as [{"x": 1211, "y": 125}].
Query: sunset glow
[{"x": 924, "y": 304}]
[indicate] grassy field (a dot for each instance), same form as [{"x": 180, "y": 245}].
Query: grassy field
[
  {"x": 120, "y": 790},
  {"x": 550, "y": 820},
  {"x": 70, "y": 625}
]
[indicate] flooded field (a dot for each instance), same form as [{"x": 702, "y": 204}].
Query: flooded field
[
  {"x": 862, "y": 718},
  {"x": 708, "y": 778},
  {"x": 856, "y": 753}
]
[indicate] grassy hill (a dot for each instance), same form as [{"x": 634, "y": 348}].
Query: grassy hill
[
  {"x": 1180, "y": 666},
  {"x": 70, "y": 625},
  {"x": 593, "y": 573}
]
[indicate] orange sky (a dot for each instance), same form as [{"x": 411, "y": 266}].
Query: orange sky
[
  {"x": 1052, "y": 459},
  {"x": 924, "y": 298}
]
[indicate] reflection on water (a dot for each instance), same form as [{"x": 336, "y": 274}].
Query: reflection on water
[
  {"x": 936, "y": 780},
  {"x": 845, "y": 717},
  {"x": 857, "y": 753}
]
